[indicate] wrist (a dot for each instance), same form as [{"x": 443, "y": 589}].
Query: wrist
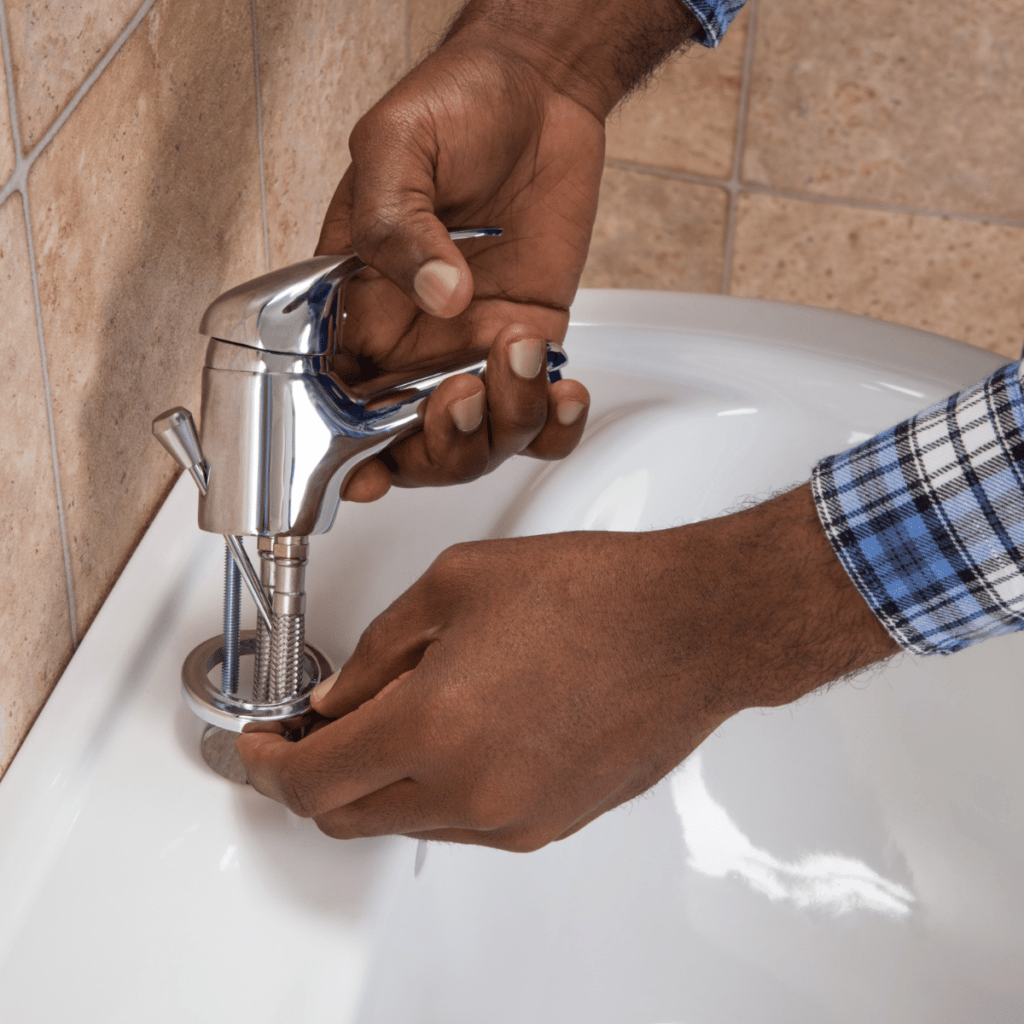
[
  {"x": 593, "y": 51},
  {"x": 769, "y": 606}
]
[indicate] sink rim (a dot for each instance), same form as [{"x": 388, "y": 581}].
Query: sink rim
[{"x": 40, "y": 792}]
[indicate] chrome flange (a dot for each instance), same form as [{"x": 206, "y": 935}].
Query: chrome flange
[{"x": 232, "y": 712}]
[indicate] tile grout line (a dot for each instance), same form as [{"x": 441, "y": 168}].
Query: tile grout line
[
  {"x": 408, "y": 36},
  {"x": 18, "y": 182},
  {"x": 64, "y": 541},
  {"x": 734, "y": 184},
  {"x": 751, "y": 188},
  {"x": 20, "y": 177},
  {"x": 259, "y": 134},
  {"x": 90, "y": 80}
]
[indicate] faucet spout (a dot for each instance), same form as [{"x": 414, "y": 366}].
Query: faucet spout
[{"x": 281, "y": 432}]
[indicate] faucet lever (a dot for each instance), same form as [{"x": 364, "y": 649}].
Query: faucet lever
[{"x": 176, "y": 431}]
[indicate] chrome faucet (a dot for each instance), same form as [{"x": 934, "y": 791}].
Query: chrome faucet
[{"x": 281, "y": 433}]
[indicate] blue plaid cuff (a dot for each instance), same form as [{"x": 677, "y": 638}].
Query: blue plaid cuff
[
  {"x": 928, "y": 518},
  {"x": 715, "y": 16}
]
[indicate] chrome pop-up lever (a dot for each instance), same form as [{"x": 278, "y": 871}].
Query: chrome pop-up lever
[{"x": 281, "y": 432}]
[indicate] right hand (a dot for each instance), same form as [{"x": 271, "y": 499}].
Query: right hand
[
  {"x": 522, "y": 687},
  {"x": 475, "y": 136}
]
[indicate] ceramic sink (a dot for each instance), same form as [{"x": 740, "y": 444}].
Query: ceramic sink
[{"x": 854, "y": 857}]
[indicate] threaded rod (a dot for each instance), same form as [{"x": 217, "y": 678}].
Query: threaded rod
[{"x": 232, "y": 594}]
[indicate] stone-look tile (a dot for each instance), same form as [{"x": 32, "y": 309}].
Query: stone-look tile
[
  {"x": 686, "y": 119},
  {"x": 955, "y": 277},
  {"x": 6, "y": 139},
  {"x": 54, "y": 46},
  {"x": 654, "y": 232},
  {"x": 921, "y": 108},
  {"x": 322, "y": 65},
  {"x": 145, "y": 207},
  {"x": 427, "y": 21},
  {"x": 35, "y": 629}
]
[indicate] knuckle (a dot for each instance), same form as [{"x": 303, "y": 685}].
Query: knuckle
[
  {"x": 338, "y": 829},
  {"x": 454, "y": 568},
  {"x": 373, "y": 639},
  {"x": 297, "y": 792},
  {"x": 488, "y": 809},
  {"x": 526, "y": 841},
  {"x": 529, "y": 414},
  {"x": 462, "y": 465},
  {"x": 370, "y": 232}
]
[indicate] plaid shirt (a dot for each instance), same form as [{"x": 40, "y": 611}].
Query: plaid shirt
[
  {"x": 928, "y": 518},
  {"x": 715, "y": 16}
]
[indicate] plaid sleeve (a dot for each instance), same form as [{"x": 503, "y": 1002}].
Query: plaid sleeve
[
  {"x": 928, "y": 518},
  {"x": 715, "y": 16}
]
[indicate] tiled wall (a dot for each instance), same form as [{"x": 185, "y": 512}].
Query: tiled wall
[
  {"x": 827, "y": 154},
  {"x": 150, "y": 156}
]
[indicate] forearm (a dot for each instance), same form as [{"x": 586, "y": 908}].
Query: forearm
[
  {"x": 594, "y": 51},
  {"x": 767, "y": 608}
]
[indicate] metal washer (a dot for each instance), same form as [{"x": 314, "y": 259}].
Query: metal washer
[{"x": 231, "y": 711}]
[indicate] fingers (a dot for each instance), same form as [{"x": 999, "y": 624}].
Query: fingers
[
  {"x": 390, "y": 647},
  {"x": 333, "y": 766},
  {"x": 517, "y": 390},
  {"x": 568, "y": 406},
  {"x": 459, "y": 442},
  {"x": 390, "y": 202},
  {"x": 451, "y": 448}
]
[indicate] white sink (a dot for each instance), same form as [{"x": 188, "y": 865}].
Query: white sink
[{"x": 856, "y": 857}]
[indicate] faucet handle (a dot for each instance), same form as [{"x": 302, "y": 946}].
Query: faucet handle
[
  {"x": 176, "y": 431},
  {"x": 292, "y": 310}
]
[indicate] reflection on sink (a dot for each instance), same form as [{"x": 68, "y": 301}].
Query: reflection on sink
[
  {"x": 826, "y": 882},
  {"x": 853, "y": 857}
]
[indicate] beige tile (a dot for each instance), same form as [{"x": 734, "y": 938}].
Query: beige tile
[
  {"x": 35, "y": 629},
  {"x": 6, "y": 139},
  {"x": 144, "y": 208},
  {"x": 318, "y": 74},
  {"x": 922, "y": 108},
  {"x": 653, "y": 232},
  {"x": 54, "y": 46},
  {"x": 959, "y": 278},
  {"x": 428, "y": 20},
  {"x": 686, "y": 119}
]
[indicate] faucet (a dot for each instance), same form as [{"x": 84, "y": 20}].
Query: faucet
[{"x": 281, "y": 434}]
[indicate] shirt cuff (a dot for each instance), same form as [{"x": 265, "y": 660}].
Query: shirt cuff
[
  {"x": 715, "y": 16},
  {"x": 928, "y": 518}
]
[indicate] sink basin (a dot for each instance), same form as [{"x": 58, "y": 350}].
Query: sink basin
[{"x": 854, "y": 857}]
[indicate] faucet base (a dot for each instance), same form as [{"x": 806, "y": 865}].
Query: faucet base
[
  {"x": 233, "y": 711},
  {"x": 220, "y": 753}
]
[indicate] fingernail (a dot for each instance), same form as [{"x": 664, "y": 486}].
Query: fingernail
[
  {"x": 568, "y": 412},
  {"x": 434, "y": 284},
  {"x": 468, "y": 413},
  {"x": 323, "y": 688},
  {"x": 526, "y": 357},
  {"x": 263, "y": 727}
]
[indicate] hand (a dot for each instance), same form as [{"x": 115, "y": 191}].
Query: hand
[
  {"x": 523, "y": 687},
  {"x": 503, "y": 126},
  {"x": 482, "y": 139}
]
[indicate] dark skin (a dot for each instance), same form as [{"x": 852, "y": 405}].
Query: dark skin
[
  {"x": 502, "y": 126},
  {"x": 523, "y": 687}
]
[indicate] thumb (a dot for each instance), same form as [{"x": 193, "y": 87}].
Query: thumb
[{"x": 391, "y": 219}]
